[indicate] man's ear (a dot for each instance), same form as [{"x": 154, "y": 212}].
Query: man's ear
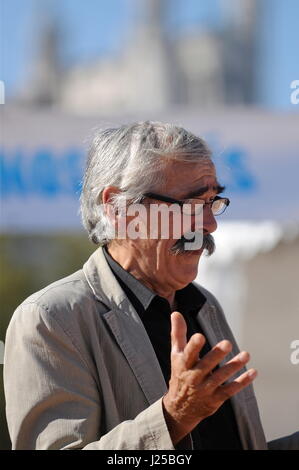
[
  {"x": 108, "y": 193},
  {"x": 106, "y": 200}
]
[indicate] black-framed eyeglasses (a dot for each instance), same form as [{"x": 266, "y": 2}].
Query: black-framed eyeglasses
[{"x": 193, "y": 206}]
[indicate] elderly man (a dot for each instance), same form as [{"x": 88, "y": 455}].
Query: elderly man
[{"x": 98, "y": 360}]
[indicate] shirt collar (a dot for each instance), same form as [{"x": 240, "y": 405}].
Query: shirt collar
[{"x": 143, "y": 293}]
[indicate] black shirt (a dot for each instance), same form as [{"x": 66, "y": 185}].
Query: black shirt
[{"x": 218, "y": 431}]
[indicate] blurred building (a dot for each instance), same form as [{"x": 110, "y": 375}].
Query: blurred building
[
  {"x": 208, "y": 67},
  {"x": 44, "y": 85}
]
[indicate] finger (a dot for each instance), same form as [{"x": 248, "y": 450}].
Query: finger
[
  {"x": 227, "y": 371},
  {"x": 213, "y": 357},
  {"x": 193, "y": 348},
  {"x": 228, "y": 390},
  {"x": 178, "y": 332}
]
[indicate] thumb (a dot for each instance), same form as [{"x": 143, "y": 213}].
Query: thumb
[{"x": 178, "y": 332}]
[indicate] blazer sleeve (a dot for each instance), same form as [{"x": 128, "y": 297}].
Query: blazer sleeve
[{"x": 53, "y": 400}]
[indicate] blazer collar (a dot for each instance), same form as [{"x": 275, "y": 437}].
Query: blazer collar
[{"x": 208, "y": 319}]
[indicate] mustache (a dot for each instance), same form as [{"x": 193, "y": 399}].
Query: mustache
[{"x": 208, "y": 245}]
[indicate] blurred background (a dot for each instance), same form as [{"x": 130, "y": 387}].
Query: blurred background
[{"x": 228, "y": 70}]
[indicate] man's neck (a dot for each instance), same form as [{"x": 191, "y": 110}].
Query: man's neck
[{"x": 130, "y": 265}]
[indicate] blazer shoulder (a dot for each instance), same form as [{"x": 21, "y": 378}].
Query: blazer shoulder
[
  {"x": 68, "y": 300},
  {"x": 64, "y": 309},
  {"x": 70, "y": 287}
]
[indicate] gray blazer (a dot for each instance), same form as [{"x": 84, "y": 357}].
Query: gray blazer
[{"x": 80, "y": 371}]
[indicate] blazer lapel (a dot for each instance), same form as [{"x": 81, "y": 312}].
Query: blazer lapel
[
  {"x": 208, "y": 319},
  {"x": 126, "y": 326},
  {"x": 210, "y": 322}
]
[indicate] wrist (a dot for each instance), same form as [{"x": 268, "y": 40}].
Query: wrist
[{"x": 176, "y": 429}]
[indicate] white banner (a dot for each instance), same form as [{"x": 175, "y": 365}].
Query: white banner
[{"x": 42, "y": 156}]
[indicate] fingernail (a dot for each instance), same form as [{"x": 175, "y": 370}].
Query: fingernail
[
  {"x": 252, "y": 373},
  {"x": 243, "y": 356},
  {"x": 225, "y": 346}
]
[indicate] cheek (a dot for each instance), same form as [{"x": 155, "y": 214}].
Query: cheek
[
  {"x": 165, "y": 226},
  {"x": 176, "y": 225},
  {"x": 164, "y": 247},
  {"x": 184, "y": 266}
]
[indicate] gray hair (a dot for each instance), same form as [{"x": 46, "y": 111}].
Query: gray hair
[{"x": 132, "y": 158}]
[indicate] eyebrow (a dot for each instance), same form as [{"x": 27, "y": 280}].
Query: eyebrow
[{"x": 200, "y": 191}]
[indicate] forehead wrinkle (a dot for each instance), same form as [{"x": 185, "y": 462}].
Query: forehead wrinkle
[
  {"x": 217, "y": 188},
  {"x": 180, "y": 173}
]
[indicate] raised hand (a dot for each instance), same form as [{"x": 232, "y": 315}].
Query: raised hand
[{"x": 195, "y": 391}]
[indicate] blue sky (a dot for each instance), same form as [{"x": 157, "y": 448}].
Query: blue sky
[{"x": 96, "y": 27}]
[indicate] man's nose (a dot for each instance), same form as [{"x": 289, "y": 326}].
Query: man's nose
[
  {"x": 205, "y": 222},
  {"x": 209, "y": 221}
]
